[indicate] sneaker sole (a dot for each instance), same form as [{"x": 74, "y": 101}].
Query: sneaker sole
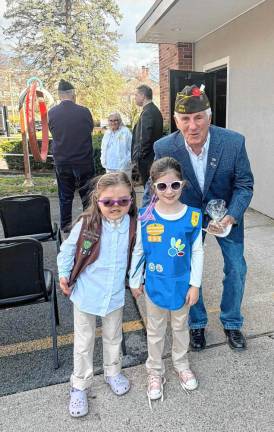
[
  {"x": 189, "y": 388},
  {"x": 162, "y": 390}
]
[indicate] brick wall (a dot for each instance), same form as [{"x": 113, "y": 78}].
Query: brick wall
[{"x": 171, "y": 56}]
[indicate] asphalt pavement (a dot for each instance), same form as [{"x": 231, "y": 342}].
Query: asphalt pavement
[
  {"x": 25, "y": 342},
  {"x": 236, "y": 390}
]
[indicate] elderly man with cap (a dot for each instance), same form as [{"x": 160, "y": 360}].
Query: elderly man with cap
[
  {"x": 71, "y": 126},
  {"x": 215, "y": 164}
]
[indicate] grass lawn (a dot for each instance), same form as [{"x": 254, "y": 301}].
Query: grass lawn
[{"x": 13, "y": 185}]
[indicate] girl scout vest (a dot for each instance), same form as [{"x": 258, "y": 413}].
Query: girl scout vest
[{"x": 167, "y": 247}]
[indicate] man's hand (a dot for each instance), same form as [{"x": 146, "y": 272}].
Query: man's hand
[
  {"x": 227, "y": 220},
  {"x": 220, "y": 227},
  {"x": 63, "y": 282},
  {"x": 192, "y": 296},
  {"x": 136, "y": 292}
]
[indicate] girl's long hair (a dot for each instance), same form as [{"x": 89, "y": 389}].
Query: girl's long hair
[
  {"x": 92, "y": 213},
  {"x": 159, "y": 168}
]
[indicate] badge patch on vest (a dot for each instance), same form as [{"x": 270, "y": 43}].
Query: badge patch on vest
[
  {"x": 158, "y": 267},
  {"x": 151, "y": 266},
  {"x": 177, "y": 247},
  {"x": 154, "y": 232},
  {"x": 86, "y": 246},
  {"x": 86, "y": 243},
  {"x": 195, "y": 218}
]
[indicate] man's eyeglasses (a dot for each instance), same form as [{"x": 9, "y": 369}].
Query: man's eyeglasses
[
  {"x": 122, "y": 202},
  {"x": 175, "y": 185},
  {"x": 114, "y": 120}
]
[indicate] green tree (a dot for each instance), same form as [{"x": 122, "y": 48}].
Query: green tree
[
  {"x": 105, "y": 98},
  {"x": 72, "y": 39}
]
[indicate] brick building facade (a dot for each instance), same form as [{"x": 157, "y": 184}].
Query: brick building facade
[{"x": 171, "y": 56}]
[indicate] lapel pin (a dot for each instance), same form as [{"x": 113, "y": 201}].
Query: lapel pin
[{"x": 213, "y": 163}]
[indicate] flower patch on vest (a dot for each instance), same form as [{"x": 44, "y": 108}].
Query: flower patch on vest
[{"x": 176, "y": 248}]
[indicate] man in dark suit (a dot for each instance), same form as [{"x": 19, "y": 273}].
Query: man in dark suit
[
  {"x": 215, "y": 164},
  {"x": 71, "y": 126},
  {"x": 147, "y": 130}
]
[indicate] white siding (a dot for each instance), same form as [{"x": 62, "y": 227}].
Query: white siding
[{"x": 249, "y": 43}]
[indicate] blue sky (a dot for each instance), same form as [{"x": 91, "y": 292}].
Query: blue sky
[{"x": 131, "y": 53}]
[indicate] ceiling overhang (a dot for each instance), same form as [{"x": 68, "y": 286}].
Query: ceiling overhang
[{"x": 173, "y": 21}]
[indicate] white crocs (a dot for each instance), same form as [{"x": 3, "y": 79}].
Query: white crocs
[
  {"x": 78, "y": 405},
  {"x": 119, "y": 384}
]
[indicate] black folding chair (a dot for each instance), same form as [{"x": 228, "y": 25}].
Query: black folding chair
[
  {"x": 24, "y": 281},
  {"x": 29, "y": 215}
]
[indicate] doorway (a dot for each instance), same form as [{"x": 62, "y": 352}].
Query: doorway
[{"x": 215, "y": 82}]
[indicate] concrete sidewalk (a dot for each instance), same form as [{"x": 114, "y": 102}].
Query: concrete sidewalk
[{"x": 236, "y": 392}]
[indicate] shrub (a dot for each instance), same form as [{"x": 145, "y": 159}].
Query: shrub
[
  {"x": 17, "y": 162},
  {"x": 96, "y": 143}
]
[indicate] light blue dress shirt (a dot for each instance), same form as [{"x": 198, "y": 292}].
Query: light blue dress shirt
[
  {"x": 199, "y": 162},
  {"x": 100, "y": 287}
]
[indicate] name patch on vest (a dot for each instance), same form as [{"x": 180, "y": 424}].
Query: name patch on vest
[
  {"x": 154, "y": 232},
  {"x": 195, "y": 218}
]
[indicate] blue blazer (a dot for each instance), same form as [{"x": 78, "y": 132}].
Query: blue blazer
[{"x": 228, "y": 173}]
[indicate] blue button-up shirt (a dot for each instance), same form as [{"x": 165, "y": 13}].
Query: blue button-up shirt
[
  {"x": 100, "y": 287},
  {"x": 199, "y": 162}
]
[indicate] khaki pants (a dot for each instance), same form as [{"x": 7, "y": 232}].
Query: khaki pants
[
  {"x": 156, "y": 329},
  {"x": 84, "y": 338}
]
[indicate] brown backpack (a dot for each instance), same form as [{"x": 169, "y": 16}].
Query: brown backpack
[{"x": 88, "y": 248}]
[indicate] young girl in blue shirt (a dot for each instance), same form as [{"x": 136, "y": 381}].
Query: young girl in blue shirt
[
  {"x": 169, "y": 242},
  {"x": 101, "y": 235}
]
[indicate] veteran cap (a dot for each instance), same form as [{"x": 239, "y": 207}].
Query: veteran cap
[
  {"x": 191, "y": 99},
  {"x": 64, "y": 85}
]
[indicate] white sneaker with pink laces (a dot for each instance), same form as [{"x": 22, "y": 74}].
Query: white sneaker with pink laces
[
  {"x": 155, "y": 388},
  {"x": 188, "y": 380}
]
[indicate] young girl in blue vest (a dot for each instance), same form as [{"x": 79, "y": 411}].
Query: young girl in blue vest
[
  {"x": 169, "y": 241},
  {"x": 95, "y": 258}
]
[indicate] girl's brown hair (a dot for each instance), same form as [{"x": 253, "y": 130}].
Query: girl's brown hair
[
  {"x": 161, "y": 166},
  {"x": 100, "y": 183}
]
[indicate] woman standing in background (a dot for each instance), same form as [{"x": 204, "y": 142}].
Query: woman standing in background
[{"x": 116, "y": 146}]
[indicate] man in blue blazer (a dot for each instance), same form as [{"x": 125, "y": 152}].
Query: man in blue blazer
[{"x": 215, "y": 164}]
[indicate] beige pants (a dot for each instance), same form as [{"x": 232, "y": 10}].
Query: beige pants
[
  {"x": 84, "y": 338},
  {"x": 157, "y": 319}
]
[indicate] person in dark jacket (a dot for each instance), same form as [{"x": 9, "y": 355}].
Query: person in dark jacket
[
  {"x": 147, "y": 130},
  {"x": 71, "y": 126}
]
